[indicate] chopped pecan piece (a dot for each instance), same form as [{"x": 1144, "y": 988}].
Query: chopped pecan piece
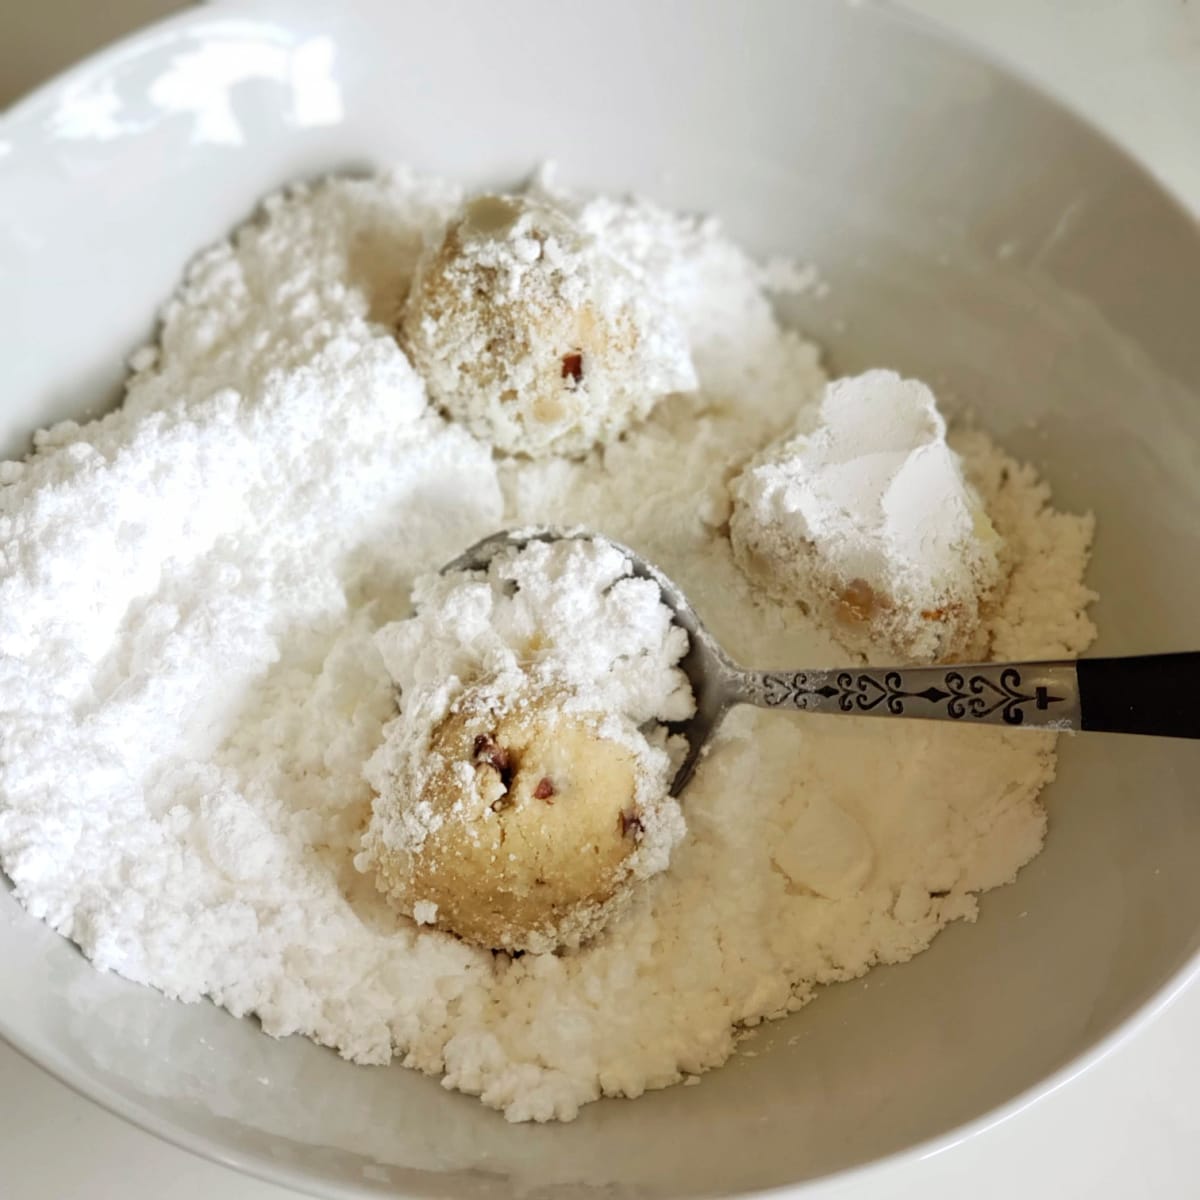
[
  {"x": 572, "y": 366},
  {"x": 629, "y": 823},
  {"x": 489, "y": 751}
]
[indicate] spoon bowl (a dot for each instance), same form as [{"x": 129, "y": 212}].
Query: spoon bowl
[{"x": 712, "y": 674}]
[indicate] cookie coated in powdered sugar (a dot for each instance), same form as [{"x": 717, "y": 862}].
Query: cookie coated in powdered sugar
[
  {"x": 522, "y": 792},
  {"x": 868, "y": 521}
]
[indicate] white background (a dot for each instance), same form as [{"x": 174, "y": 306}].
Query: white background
[{"x": 1131, "y": 1127}]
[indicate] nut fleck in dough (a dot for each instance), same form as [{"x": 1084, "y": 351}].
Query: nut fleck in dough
[
  {"x": 531, "y": 821},
  {"x": 533, "y": 337}
]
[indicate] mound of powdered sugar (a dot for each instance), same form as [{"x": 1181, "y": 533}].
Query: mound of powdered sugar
[
  {"x": 190, "y": 593},
  {"x": 570, "y": 610}
]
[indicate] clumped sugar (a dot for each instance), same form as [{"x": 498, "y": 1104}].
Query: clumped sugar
[{"x": 193, "y": 673}]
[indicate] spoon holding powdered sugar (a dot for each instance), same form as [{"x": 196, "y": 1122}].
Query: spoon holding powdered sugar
[{"x": 1147, "y": 694}]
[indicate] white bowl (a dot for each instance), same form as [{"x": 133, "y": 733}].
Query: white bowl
[{"x": 972, "y": 232}]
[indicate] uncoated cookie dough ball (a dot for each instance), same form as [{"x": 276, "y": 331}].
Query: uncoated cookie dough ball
[
  {"x": 533, "y": 337},
  {"x": 525, "y": 830}
]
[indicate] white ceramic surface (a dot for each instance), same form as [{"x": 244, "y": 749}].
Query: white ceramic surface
[{"x": 971, "y": 233}]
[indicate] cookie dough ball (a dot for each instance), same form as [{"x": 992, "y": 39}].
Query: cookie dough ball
[
  {"x": 533, "y": 337},
  {"x": 869, "y": 523},
  {"x": 526, "y": 827}
]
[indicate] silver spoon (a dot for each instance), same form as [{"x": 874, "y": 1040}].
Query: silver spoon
[{"x": 1151, "y": 694}]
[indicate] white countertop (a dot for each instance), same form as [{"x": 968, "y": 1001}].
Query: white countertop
[{"x": 1131, "y": 1129}]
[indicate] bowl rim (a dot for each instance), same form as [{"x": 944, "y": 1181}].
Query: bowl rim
[{"x": 268, "y": 1170}]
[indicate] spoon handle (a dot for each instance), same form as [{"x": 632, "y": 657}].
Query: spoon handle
[{"x": 1153, "y": 693}]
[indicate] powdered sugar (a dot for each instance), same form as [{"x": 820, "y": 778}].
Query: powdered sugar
[
  {"x": 190, "y": 594},
  {"x": 569, "y": 610}
]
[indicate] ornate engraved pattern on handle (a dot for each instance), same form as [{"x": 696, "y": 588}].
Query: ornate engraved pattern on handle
[{"x": 980, "y": 695}]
